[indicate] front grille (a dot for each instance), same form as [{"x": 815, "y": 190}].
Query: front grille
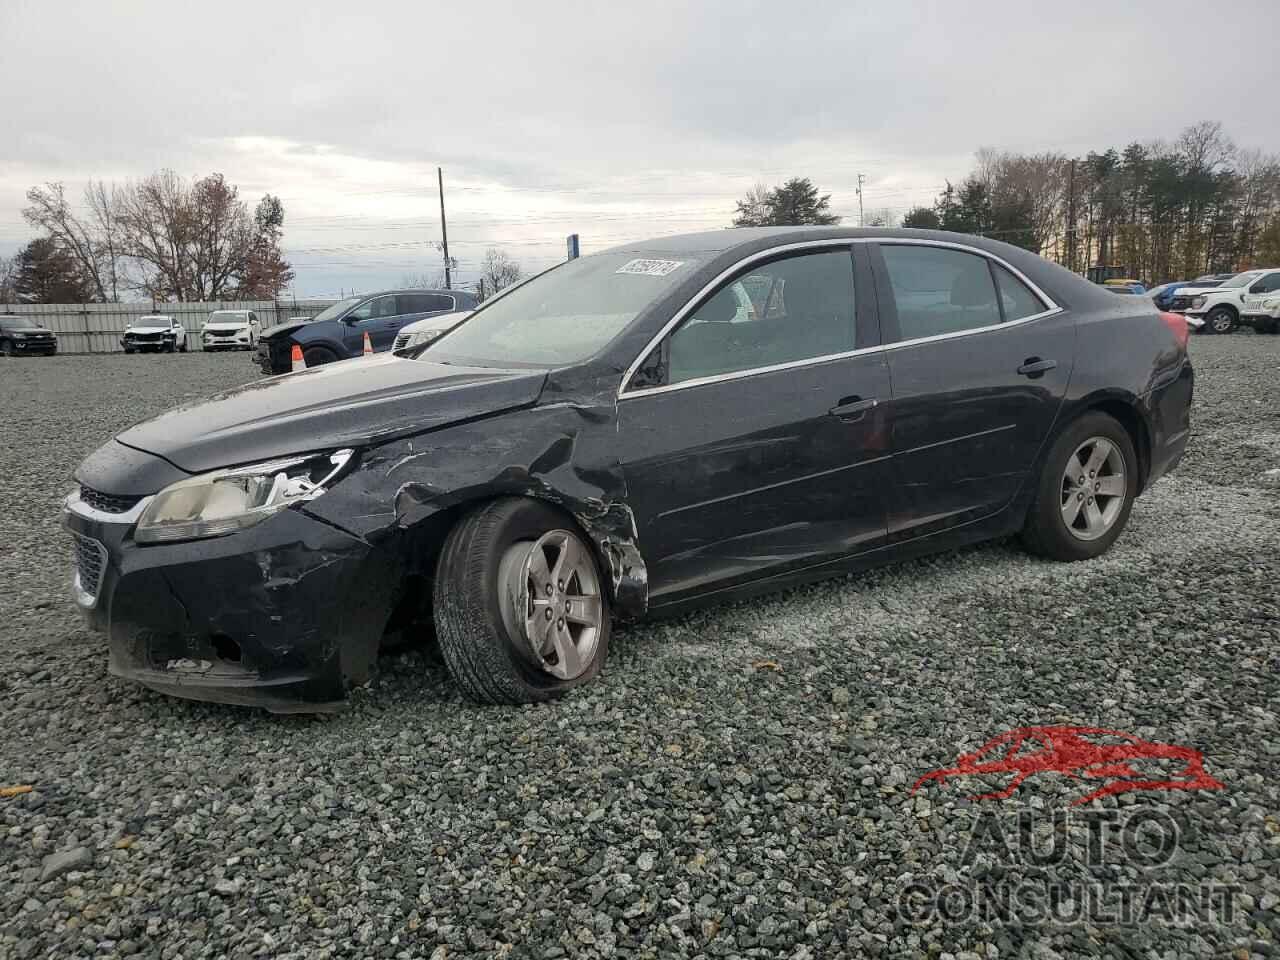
[
  {"x": 107, "y": 502},
  {"x": 144, "y": 336},
  {"x": 91, "y": 564}
]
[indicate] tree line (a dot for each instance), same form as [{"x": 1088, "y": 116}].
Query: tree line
[
  {"x": 163, "y": 237},
  {"x": 1162, "y": 210}
]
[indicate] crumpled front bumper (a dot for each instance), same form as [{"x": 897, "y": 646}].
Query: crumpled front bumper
[{"x": 285, "y": 615}]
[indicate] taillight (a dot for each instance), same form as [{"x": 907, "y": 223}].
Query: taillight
[{"x": 1178, "y": 324}]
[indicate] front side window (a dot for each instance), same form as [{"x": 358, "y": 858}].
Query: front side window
[
  {"x": 1268, "y": 284},
  {"x": 373, "y": 309},
  {"x": 938, "y": 291},
  {"x": 799, "y": 308}
]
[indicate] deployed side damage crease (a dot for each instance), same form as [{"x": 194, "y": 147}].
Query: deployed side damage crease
[{"x": 402, "y": 486}]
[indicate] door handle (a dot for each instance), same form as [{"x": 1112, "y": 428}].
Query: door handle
[
  {"x": 852, "y": 408},
  {"x": 1034, "y": 367}
]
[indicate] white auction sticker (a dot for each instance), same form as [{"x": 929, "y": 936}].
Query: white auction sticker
[{"x": 650, "y": 268}]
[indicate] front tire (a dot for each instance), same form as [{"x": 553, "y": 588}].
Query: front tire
[
  {"x": 521, "y": 614},
  {"x": 318, "y": 356},
  {"x": 1220, "y": 320},
  {"x": 6, "y": 348},
  {"x": 1085, "y": 491}
]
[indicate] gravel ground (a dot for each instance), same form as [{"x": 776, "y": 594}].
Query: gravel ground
[{"x": 737, "y": 783}]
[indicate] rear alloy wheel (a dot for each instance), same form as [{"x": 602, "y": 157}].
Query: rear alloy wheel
[
  {"x": 1220, "y": 320},
  {"x": 318, "y": 356},
  {"x": 1085, "y": 491},
  {"x": 520, "y": 612}
]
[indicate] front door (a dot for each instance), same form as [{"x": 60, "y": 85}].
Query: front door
[
  {"x": 979, "y": 371},
  {"x": 758, "y": 441},
  {"x": 379, "y": 317}
]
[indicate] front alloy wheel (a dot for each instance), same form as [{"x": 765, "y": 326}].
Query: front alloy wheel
[
  {"x": 1220, "y": 320},
  {"x": 519, "y": 603},
  {"x": 551, "y": 601}
]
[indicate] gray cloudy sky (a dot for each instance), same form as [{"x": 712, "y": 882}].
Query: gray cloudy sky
[{"x": 615, "y": 120}]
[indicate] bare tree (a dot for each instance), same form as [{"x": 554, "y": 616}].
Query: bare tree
[
  {"x": 9, "y": 278},
  {"x": 81, "y": 239},
  {"x": 103, "y": 203},
  {"x": 498, "y": 271}
]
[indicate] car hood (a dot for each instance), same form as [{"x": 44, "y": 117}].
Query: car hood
[
  {"x": 147, "y": 328},
  {"x": 31, "y": 330},
  {"x": 283, "y": 329},
  {"x": 348, "y": 403}
]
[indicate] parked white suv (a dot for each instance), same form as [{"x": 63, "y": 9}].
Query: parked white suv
[
  {"x": 231, "y": 330},
  {"x": 1221, "y": 309}
]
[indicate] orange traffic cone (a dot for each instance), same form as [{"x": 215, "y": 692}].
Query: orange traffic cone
[
  {"x": 296, "y": 361},
  {"x": 368, "y": 345}
]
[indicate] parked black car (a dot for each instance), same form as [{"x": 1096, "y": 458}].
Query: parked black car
[
  {"x": 659, "y": 426},
  {"x": 337, "y": 333},
  {"x": 20, "y": 337}
]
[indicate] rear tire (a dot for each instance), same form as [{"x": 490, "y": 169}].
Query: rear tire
[
  {"x": 1265, "y": 325},
  {"x": 480, "y": 620},
  {"x": 1220, "y": 320},
  {"x": 1060, "y": 494},
  {"x": 318, "y": 356}
]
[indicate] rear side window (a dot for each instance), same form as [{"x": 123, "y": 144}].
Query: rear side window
[
  {"x": 1015, "y": 296},
  {"x": 424, "y": 302},
  {"x": 788, "y": 310},
  {"x": 939, "y": 291}
]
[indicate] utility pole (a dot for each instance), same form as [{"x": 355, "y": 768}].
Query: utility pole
[
  {"x": 444, "y": 232},
  {"x": 861, "y": 180},
  {"x": 1071, "y": 215}
]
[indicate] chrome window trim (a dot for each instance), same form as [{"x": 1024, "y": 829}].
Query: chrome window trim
[{"x": 1051, "y": 309}]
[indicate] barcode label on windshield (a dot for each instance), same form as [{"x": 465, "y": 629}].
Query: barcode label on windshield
[{"x": 650, "y": 268}]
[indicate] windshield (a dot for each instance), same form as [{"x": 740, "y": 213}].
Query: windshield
[
  {"x": 228, "y": 316},
  {"x": 561, "y": 316},
  {"x": 17, "y": 323},
  {"x": 1243, "y": 279},
  {"x": 337, "y": 310}
]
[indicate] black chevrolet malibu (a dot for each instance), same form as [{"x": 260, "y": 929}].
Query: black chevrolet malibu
[{"x": 662, "y": 425}]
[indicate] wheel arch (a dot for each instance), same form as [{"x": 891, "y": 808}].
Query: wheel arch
[{"x": 420, "y": 544}]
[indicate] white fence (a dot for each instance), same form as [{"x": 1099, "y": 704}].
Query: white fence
[{"x": 97, "y": 327}]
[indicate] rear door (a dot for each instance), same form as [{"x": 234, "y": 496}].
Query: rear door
[
  {"x": 755, "y": 435},
  {"x": 980, "y": 362}
]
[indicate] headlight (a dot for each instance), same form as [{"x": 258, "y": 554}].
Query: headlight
[
  {"x": 225, "y": 501},
  {"x": 1271, "y": 304},
  {"x": 1198, "y": 302},
  {"x": 419, "y": 338}
]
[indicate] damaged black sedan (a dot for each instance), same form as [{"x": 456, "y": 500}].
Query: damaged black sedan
[{"x": 642, "y": 430}]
